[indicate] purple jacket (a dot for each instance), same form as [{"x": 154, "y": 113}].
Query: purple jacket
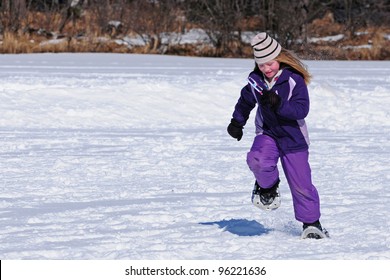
[{"x": 286, "y": 125}]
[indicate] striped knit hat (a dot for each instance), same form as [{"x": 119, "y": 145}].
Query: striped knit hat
[{"x": 265, "y": 48}]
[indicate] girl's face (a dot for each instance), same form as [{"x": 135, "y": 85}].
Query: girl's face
[{"x": 269, "y": 69}]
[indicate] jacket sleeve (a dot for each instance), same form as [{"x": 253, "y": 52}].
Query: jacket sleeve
[
  {"x": 244, "y": 105},
  {"x": 296, "y": 105}
]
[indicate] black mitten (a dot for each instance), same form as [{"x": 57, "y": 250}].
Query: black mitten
[
  {"x": 235, "y": 129},
  {"x": 271, "y": 98}
]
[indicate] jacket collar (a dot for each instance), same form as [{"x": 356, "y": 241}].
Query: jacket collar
[
  {"x": 281, "y": 77},
  {"x": 271, "y": 83}
]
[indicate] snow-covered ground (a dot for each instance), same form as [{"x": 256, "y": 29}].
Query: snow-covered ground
[{"x": 115, "y": 156}]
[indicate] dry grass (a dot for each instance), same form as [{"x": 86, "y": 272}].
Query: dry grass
[
  {"x": 16, "y": 43},
  {"x": 84, "y": 35}
]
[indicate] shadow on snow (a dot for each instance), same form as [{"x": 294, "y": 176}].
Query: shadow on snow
[{"x": 240, "y": 227}]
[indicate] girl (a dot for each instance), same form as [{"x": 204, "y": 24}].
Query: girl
[{"x": 278, "y": 85}]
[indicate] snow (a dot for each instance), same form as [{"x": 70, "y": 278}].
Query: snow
[
  {"x": 197, "y": 36},
  {"x": 333, "y": 38},
  {"x": 118, "y": 156},
  {"x": 368, "y": 46}
]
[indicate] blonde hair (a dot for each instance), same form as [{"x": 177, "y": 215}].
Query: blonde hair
[{"x": 287, "y": 58}]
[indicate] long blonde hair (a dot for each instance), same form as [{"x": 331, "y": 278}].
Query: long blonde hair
[{"x": 287, "y": 58}]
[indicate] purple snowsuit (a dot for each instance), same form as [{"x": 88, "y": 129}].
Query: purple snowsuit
[{"x": 282, "y": 134}]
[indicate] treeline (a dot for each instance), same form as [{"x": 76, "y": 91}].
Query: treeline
[{"x": 224, "y": 21}]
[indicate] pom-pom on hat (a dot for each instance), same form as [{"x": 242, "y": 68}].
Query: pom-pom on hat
[{"x": 265, "y": 48}]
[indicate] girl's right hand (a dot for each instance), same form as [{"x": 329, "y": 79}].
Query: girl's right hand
[{"x": 235, "y": 129}]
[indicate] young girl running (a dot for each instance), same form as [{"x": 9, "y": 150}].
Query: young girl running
[{"x": 278, "y": 85}]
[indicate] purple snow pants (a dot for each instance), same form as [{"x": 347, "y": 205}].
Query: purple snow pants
[{"x": 262, "y": 160}]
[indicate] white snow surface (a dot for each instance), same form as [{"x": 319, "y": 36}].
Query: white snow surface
[{"x": 120, "y": 156}]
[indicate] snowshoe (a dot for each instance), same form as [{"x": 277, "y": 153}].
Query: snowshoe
[
  {"x": 266, "y": 199},
  {"x": 314, "y": 231}
]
